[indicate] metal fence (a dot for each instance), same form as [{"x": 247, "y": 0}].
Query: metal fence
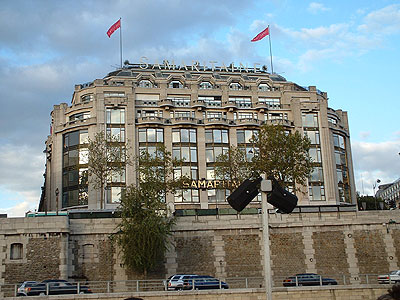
[{"x": 10, "y": 290}]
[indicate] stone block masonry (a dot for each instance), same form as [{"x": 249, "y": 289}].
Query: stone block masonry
[{"x": 339, "y": 245}]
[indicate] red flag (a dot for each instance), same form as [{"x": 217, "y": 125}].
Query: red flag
[
  {"x": 114, "y": 27},
  {"x": 261, "y": 35}
]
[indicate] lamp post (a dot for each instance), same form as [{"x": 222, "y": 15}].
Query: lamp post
[
  {"x": 374, "y": 186},
  {"x": 57, "y": 200}
]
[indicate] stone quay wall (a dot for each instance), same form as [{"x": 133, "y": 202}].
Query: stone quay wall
[{"x": 339, "y": 244}]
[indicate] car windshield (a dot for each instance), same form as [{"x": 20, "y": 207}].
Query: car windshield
[{"x": 393, "y": 272}]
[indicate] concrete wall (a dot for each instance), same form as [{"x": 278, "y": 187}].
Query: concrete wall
[{"x": 226, "y": 246}]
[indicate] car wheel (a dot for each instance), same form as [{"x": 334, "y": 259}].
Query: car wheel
[
  {"x": 42, "y": 294},
  {"x": 299, "y": 284}
]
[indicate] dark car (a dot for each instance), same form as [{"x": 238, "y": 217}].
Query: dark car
[
  {"x": 22, "y": 289},
  {"x": 308, "y": 279},
  {"x": 56, "y": 287},
  {"x": 205, "y": 283}
]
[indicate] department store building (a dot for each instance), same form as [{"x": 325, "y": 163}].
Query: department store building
[{"x": 197, "y": 112}]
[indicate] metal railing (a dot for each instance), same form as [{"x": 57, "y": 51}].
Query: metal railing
[{"x": 10, "y": 290}]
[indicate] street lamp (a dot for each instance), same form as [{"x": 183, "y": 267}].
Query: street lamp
[
  {"x": 56, "y": 192},
  {"x": 374, "y": 186}
]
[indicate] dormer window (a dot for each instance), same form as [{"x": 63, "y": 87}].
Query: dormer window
[
  {"x": 235, "y": 86},
  {"x": 145, "y": 84},
  {"x": 175, "y": 84},
  {"x": 264, "y": 87},
  {"x": 206, "y": 85}
]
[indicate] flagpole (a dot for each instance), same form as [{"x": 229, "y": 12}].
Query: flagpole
[
  {"x": 120, "y": 40},
  {"x": 270, "y": 49}
]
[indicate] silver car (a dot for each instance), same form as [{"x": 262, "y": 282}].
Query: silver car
[
  {"x": 180, "y": 281},
  {"x": 22, "y": 289}
]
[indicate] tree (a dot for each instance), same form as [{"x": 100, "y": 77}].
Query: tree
[
  {"x": 233, "y": 166},
  {"x": 281, "y": 154},
  {"x": 146, "y": 223},
  {"x": 106, "y": 157},
  {"x": 371, "y": 202}
]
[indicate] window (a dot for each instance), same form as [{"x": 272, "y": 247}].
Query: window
[
  {"x": 264, "y": 87},
  {"x": 217, "y": 136},
  {"x": 175, "y": 84},
  {"x": 189, "y": 195},
  {"x": 79, "y": 116},
  {"x": 245, "y": 136},
  {"x": 211, "y": 100},
  {"x": 205, "y": 85},
  {"x": 180, "y": 101},
  {"x": 338, "y": 141},
  {"x": 310, "y": 120},
  {"x": 235, "y": 86},
  {"x": 16, "y": 251},
  {"x": 316, "y": 192},
  {"x": 316, "y": 174},
  {"x": 214, "y": 114},
  {"x": 315, "y": 154},
  {"x": 213, "y": 152},
  {"x": 182, "y": 114},
  {"x": 114, "y": 94},
  {"x": 145, "y": 84},
  {"x": 241, "y": 102},
  {"x": 218, "y": 195},
  {"x": 113, "y": 194},
  {"x": 186, "y": 154},
  {"x": 272, "y": 103},
  {"x": 86, "y": 98},
  {"x": 313, "y": 136},
  {"x": 183, "y": 135},
  {"x": 115, "y": 115},
  {"x": 88, "y": 252},
  {"x": 116, "y": 134},
  {"x": 151, "y": 135},
  {"x": 187, "y": 171},
  {"x": 332, "y": 120}
]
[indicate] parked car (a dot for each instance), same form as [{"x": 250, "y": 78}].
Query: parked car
[
  {"x": 178, "y": 281},
  {"x": 392, "y": 277},
  {"x": 206, "y": 283},
  {"x": 56, "y": 287},
  {"x": 22, "y": 289},
  {"x": 308, "y": 279}
]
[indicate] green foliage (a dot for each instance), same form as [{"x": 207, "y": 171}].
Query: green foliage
[
  {"x": 106, "y": 156},
  {"x": 144, "y": 229},
  {"x": 146, "y": 223},
  {"x": 233, "y": 165},
  {"x": 283, "y": 155},
  {"x": 371, "y": 203},
  {"x": 278, "y": 153}
]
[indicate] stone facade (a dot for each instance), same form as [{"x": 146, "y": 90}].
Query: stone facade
[
  {"x": 342, "y": 244},
  {"x": 196, "y": 114}
]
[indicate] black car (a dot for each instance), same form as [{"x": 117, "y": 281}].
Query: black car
[
  {"x": 308, "y": 279},
  {"x": 205, "y": 283},
  {"x": 56, "y": 287}
]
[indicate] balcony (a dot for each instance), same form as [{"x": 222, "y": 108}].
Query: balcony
[
  {"x": 231, "y": 105},
  {"x": 199, "y": 104},
  {"x": 150, "y": 120},
  {"x": 261, "y": 106},
  {"x": 167, "y": 103},
  {"x": 185, "y": 120},
  {"x": 217, "y": 121},
  {"x": 279, "y": 122},
  {"x": 248, "y": 121}
]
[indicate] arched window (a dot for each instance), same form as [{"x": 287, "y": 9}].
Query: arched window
[
  {"x": 236, "y": 86},
  {"x": 175, "y": 84},
  {"x": 16, "y": 251},
  {"x": 145, "y": 84},
  {"x": 264, "y": 87},
  {"x": 206, "y": 85}
]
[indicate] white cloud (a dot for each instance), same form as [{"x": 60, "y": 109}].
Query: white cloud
[
  {"x": 374, "y": 161},
  {"x": 364, "y": 134},
  {"x": 20, "y": 208},
  {"x": 384, "y": 21},
  {"x": 316, "y": 7}
]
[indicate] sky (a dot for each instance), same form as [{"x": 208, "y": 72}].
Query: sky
[{"x": 349, "y": 49}]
